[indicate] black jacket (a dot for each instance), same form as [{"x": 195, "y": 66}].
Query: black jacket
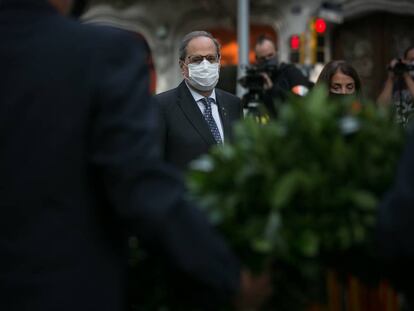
[
  {"x": 284, "y": 79},
  {"x": 80, "y": 169},
  {"x": 396, "y": 226}
]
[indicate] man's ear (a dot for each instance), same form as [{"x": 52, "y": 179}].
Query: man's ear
[{"x": 182, "y": 66}]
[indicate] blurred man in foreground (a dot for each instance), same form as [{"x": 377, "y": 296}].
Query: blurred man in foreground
[
  {"x": 80, "y": 170},
  {"x": 396, "y": 227}
]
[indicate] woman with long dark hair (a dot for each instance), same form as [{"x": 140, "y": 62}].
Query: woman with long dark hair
[{"x": 341, "y": 79}]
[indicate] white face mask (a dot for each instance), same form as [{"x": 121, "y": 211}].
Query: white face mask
[{"x": 203, "y": 76}]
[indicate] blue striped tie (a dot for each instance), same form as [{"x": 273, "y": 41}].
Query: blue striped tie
[{"x": 208, "y": 116}]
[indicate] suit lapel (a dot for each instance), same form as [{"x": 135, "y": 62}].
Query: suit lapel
[
  {"x": 224, "y": 114},
  {"x": 193, "y": 114}
]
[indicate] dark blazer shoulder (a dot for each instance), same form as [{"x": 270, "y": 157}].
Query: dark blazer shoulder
[
  {"x": 168, "y": 99},
  {"x": 228, "y": 99},
  {"x": 166, "y": 96},
  {"x": 99, "y": 41},
  {"x": 225, "y": 93},
  {"x": 230, "y": 103}
]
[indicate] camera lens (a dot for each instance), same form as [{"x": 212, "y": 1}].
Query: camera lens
[{"x": 400, "y": 68}]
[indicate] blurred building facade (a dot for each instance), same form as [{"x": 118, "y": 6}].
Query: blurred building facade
[{"x": 367, "y": 33}]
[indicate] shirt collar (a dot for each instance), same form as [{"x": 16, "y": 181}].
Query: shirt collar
[{"x": 198, "y": 96}]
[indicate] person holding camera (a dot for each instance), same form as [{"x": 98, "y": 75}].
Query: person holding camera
[
  {"x": 399, "y": 87},
  {"x": 282, "y": 80}
]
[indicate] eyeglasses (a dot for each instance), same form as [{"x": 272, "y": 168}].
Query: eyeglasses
[{"x": 197, "y": 59}]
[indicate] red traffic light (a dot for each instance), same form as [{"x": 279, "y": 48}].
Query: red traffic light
[
  {"x": 320, "y": 25},
  {"x": 294, "y": 42}
]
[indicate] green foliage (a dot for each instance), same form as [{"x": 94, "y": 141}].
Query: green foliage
[{"x": 301, "y": 187}]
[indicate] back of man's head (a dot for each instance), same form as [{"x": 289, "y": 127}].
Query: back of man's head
[
  {"x": 62, "y": 6},
  {"x": 263, "y": 38}
]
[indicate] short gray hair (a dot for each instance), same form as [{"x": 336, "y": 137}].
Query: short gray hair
[{"x": 195, "y": 34}]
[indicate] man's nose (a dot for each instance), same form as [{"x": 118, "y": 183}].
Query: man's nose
[{"x": 205, "y": 63}]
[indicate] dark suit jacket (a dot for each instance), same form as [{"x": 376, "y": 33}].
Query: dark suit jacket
[
  {"x": 396, "y": 226},
  {"x": 80, "y": 169},
  {"x": 185, "y": 134}
]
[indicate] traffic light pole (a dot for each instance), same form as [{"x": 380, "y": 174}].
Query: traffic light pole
[{"x": 243, "y": 36}]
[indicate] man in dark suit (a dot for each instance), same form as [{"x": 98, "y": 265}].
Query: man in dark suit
[
  {"x": 80, "y": 169},
  {"x": 396, "y": 227},
  {"x": 196, "y": 115}
]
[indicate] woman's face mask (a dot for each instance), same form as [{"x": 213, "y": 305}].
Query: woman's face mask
[
  {"x": 342, "y": 98},
  {"x": 203, "y": 76}
]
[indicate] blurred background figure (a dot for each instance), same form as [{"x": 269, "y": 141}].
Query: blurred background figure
[
  {"x": 365, "y": 34},
  {"x": 279, "y": 78},
  {"x": 341, "y": 79},
  {"x": 399, "y": 87}
]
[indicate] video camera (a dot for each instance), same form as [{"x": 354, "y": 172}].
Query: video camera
[
  {"x": 400, "y": 68},
  {"x": 258, "y": 101},
  {"x": 253, "y": 101},
  {"x": 254, "y": 80}
]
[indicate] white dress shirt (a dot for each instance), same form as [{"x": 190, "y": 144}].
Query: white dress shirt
[{"x": 214, "y": 108}]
